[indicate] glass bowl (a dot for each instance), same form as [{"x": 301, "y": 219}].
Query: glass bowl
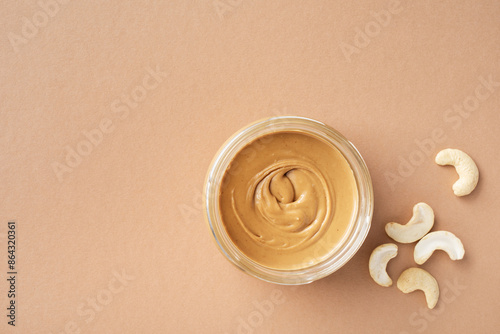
[{"x": 361, "y": 219}]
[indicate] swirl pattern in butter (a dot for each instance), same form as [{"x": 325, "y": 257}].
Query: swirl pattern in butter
[{"x": 292, "y": 203}]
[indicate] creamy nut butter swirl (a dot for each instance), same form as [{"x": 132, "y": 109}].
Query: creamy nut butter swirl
[
  {"x": 287, "y": 200},
  {"x": 292, "y": 203}
]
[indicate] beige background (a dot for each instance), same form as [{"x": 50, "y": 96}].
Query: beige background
[{"x": 131, "y": 208}]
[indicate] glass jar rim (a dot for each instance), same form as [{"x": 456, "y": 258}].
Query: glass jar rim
[{"x": 361, "y": 219}]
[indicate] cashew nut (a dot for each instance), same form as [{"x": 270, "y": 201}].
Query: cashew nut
[
  {"x": 418, "y": 279},
  {"x": 378, "y": 263},
  {"x": 466, "y": 169},
  {"x": 443, "y": 240},
  {"x": 421, "y": 223}
]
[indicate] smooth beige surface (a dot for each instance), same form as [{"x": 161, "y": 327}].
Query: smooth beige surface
[
  {"x": 288, "y": 200},
  {"x": 131, "y": 208}
]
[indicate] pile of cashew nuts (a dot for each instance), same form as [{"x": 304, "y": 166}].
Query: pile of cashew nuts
[{"x": 417, "y": 229}]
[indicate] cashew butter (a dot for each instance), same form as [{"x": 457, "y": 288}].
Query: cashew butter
[{"x": 288, "y": 200}]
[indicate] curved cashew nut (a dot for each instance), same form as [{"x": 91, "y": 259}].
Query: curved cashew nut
[
  {"x": 378, "y": 263},
  {"x": 442, "y": 240},
  {"x": 418, "y": 279},
  {"x": 466, "y": 169},
  {"x": 421, "y": 223}
]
